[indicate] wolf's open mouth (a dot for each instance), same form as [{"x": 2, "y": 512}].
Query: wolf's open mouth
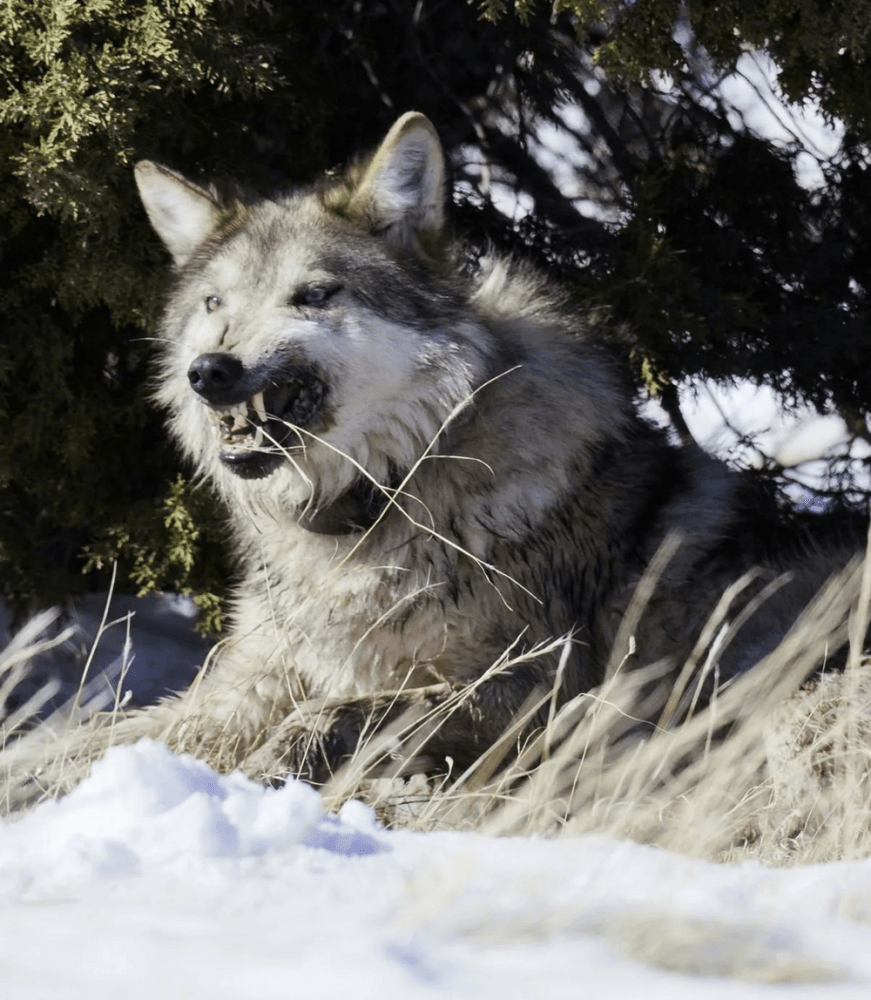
[{"x": 255, "y": 434}]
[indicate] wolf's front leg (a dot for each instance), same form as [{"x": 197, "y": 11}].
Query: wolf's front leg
[{"x": 435, "y": 729}]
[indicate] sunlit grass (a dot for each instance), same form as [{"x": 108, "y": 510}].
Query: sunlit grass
[{"x": 775, "y": 768}]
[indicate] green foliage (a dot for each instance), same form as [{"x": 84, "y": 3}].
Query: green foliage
[
  {"x": 85, "y": 87},
  {"x": 172, "y": 543},
  {"x": 821, "y": 47},
  {"x": 724, "y": 265}
]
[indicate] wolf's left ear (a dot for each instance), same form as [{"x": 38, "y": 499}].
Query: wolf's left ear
[
  {"x": 183, "y": 214},
  {"x": 403, "y": 187}
]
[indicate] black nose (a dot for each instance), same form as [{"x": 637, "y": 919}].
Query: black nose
[{"x": 216, "y": 378}]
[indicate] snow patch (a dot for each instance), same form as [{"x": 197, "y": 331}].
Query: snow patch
[
  {"x": 159, "y": 877},
  {"x": 145, "y": 809}
]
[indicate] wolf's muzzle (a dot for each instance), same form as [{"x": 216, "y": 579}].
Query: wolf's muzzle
[{"x": 255, "y": 421}]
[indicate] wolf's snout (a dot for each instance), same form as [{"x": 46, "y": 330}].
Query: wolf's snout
[{"x": 216, "y": 377}]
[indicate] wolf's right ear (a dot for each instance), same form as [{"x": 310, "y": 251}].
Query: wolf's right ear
[
  {"x": 402, "y": 191},
  {"x": 183, "y": 215}
]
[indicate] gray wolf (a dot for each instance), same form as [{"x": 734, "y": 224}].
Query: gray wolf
[{"x": 425, "y": 464}]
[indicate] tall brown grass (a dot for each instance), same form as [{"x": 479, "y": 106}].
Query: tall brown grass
[{"x": 775, "y": 768}]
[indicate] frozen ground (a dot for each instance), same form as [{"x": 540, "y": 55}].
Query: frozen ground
[{"x": 158, "y": 878}]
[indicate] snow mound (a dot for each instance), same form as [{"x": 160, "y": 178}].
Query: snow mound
[
  {"x": 159, "y": 877},
  {"x": 144, "y": 808}
]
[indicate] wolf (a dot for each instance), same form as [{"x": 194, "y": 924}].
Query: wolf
[{"x": 426, "y": 463}]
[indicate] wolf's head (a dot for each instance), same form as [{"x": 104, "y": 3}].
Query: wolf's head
[{"x": 315, "y": 341}]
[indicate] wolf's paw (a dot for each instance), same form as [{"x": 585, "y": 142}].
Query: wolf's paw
[
  {"x": 385, "y": 734},
  {"x": 312, "y": 744}
]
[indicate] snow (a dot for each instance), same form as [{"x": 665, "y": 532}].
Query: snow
[
  {"x": 747, "y": 426},
  {"x": 157, "y": 877},
  {"x": 753, "y": 96},
  {"x": 136, "y": 648}
]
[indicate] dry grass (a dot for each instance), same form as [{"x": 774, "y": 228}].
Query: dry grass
[{"x": 774, "y": 768}]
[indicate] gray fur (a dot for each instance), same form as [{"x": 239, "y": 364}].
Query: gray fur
[{"x": 474, "y": 476}]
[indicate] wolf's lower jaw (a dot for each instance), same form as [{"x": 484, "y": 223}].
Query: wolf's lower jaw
[
  {"x": 253, "y": 445},
  {"x": 354, "y": 511},
  {"x": 252, "y": 464}
]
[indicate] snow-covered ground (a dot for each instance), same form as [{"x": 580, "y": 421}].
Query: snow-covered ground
[{"x": 159, "y": 878}]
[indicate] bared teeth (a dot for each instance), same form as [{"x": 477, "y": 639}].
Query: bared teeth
[
  {"x": 248, "y": 426},
  {"x": 233, "y": 421},
  {"x": 259, "y": 407}
]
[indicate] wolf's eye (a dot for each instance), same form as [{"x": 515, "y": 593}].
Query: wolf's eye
[
  {"x": 212, "y": 303},
  {"x": 314, "y": 295}
]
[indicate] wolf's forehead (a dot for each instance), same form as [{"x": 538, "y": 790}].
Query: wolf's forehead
[{"x": 280, "y": 244}]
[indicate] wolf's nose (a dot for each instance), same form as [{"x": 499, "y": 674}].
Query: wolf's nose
[{"x": 215, "y": 377}]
